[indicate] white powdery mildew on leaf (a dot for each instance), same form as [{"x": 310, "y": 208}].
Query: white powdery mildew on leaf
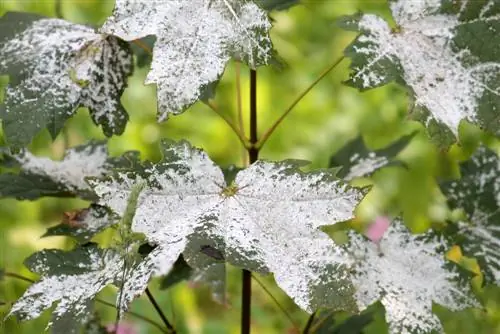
[
  {"x": 67, "y": 65},
  {"x": 72, "y": 170},
  {"x": 72, "y": 292},
  {"x": 422, "y": 51},
  {"x": 265, "y": 221},
  {"x": 363, "y": 166},
  {"x": 478, "y": 193},
  {"x": 407, "y": 274},
  {"x": 195, "y": 39}
]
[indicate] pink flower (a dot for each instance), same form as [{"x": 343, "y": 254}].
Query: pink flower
[
  {"x": 375, "y": 232},
  {"x": 123, "y": 328}
]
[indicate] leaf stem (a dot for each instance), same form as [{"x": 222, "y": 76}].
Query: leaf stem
[
  {"x": 273, "y": 127},
  {"x": 239, "y": 107},
  {"x": 235, "y": 129},
  {"x": 282, "y": 309},
  {"x": 101, "y": 301},
  {"x": 309, "y": 323},
  {"x": 58, "y": 9},
  {"x": 253, "y": 155},
  {"x": 159, "y": 311}
]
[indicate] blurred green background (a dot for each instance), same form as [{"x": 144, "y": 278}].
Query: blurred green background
[{"x": 308, "y": 39}]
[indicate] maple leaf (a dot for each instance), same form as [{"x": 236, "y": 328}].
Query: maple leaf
[
  {"x": 266, "y": 220},
  {"x": 72, "y": 279},
  {"x": 55, "y": 67},
  {"x": 478, "y": 194},
  {"x": 42, "y": 176},
  {"x": 434, "y": 50},
  {"x": 357, "y": 160},
  {"x": 407, "y": 273},
  {"x": 195, "y": 39}
]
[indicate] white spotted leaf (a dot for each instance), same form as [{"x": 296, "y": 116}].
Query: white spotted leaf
[
  {"x": 55, "y": 67},
  {"x": 266, "y": 221},
  {"x": 435, "y": 51},
  {"x": 194, "y": 41}
]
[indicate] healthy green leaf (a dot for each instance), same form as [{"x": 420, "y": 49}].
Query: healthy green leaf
[
  {"x": 407, "y": 273},
  {"x": 195, "y": 39},
  {"x": 478, "y": 194},
  {"x": 266, "y": 220},
  {"x": 434, "y": 51},
  {"x": 357, "y": 160},
  {"x": 84, "y": 224},
  {"x": 55, "y": 67}
]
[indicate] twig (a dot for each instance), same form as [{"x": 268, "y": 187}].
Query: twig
[
  {"x": 235, "y": 129},
  {"x": 309, "y": 323},
  {"x": 239, "y": 107},
  {"x": 159, "y": 311},
  {"x": 282, "y": 309},
  {"x": 270, "y": 131}
]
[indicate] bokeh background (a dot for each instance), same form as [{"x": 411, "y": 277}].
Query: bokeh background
[{"x": 308, "y": 39}]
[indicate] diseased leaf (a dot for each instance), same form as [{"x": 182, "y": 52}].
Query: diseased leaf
[
  {"x": 55, "y": 67},
  {"x": 84, "y": 224},
  {"x": 407, "y": 273},
  {"x": 478, "y": 194},
  {"x": 195, "y": 39},
  {"x": 266, "y": 220},
  {"x": 435, "y": 51},
  {"x": 41, "y": 176},
  {"x": 357, "y": 160},
  {"x": 72, "y": 279}
]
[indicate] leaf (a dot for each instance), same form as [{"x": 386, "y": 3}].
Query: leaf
[
  {"x": 435, "y": 51},
  {"x": 478, "y": 194},
  {"x": 72, "y": 279},
  {"x": 407, "y": 273},
  {"x": 270, "y": 5},
  {"x": 357, "y": 160},
  {"x": 180, "y": 271},
  {"x": 266, "y": 220},
  {"x": 195, "y": 39},
  {"x": 142, "y": 49},
  {"x": 41, "y": 176},
  {"x": 325, "y": 323},
  {"x": 55, "y": 67},
  {"x": 83, "y": 224}
]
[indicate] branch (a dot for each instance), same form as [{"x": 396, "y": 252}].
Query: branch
[
  {"x": 159, "y": 311},
  {"x": 270, "y": 131},
  {"x": 235, "y": 129}
]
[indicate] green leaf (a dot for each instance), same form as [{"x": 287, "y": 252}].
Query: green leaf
[
  {"x": 446, "y": 55},
  {"x": 266, "y": 220},
  {"x": 477, "y": 192},
  {"x": 143, "y": 50},
  {"x": 357, "y": 160},
  {"x": 326, "y": 322},
  {"x": 83, "y": 224},
  {"x": 194, "y": 43},
  {"x": 270, "y": 5},
  {"x": 54, "y": 68},
  {"x": 180, "y": 271}
]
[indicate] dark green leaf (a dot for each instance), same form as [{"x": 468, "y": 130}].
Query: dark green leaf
[
  {"x": 143, "y": 50},
  {"x": 180, "y": 272},
  {"x": 270, "y": 5},
  {"x": 54, "y": 68},
  {"x": 357, "y": 160}
]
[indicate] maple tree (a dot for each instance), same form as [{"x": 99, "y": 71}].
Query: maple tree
[{"x": 186, "y": 218}]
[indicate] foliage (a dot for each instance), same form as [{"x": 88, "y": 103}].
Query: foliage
[{"x": 184, "y": 217}]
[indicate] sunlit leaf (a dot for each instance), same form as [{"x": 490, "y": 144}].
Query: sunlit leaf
[
  {"x": 435, "y": 51},
  {"x": 195, "y": 39},
  {"x": 55, "y": 67},
  {"x": 266, "y": 220}
]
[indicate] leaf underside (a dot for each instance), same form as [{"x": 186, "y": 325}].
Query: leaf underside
[
  {"x": 55, "y": 67},
  {"x": 447, "y": 55}
]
